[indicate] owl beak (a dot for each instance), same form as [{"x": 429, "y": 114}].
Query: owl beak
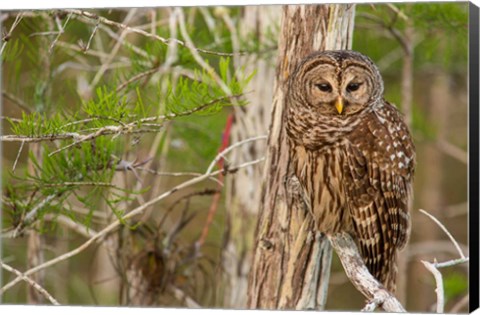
[{"x": 339, "y": 104}]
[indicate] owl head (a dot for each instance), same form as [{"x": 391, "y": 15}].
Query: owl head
[{"x": 338, "y": 83}]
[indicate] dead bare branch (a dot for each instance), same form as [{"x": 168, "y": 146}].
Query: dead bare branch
[
  {"x": 360, "y": 277},
  {"x": 166, "y": 41},
  {"x": 439, "y": 281},
  {"x": 5, "y": 38},
  {"x": 18, "y": 156},
  {"x": 31, "y": 282},
  {"x": 194, "y": 51},
  {"x": 433, "y": 267},
  {"x": 446, "y": 232}
]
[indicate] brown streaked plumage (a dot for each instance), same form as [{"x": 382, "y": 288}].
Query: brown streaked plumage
[{"x": 353, "y": 155}]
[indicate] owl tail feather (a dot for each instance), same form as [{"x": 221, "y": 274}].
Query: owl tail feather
[{"x": 387, "y": 275}]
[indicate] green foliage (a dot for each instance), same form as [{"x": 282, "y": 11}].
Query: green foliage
[
  {"x": 88, "y": 137},
  {"x": 63, "y": 174},
  {"x": 188, "y": 94},
  {"x": 441, "y": 30},
  {"x": 455, "y": 284},
  {"x": 422, "y": 125},
  {"x": 448, "y": 17},
  {"x": 13, "y": 51},
  {"x": 11, "y": 55},
  {"x": 36, "y": 124},
  {"x": 107, "y": 105}
]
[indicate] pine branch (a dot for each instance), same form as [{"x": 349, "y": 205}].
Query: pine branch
[{"x": 123, "y": 129}]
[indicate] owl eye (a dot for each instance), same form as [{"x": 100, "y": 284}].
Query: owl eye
[
  {"x": 324, "y": 87},
  {"x": 353, "y": 87}
]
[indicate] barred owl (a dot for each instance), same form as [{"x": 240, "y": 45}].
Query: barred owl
[{"x": 352, "y": 154}]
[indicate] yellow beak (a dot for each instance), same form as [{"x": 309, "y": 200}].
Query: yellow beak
[{"x": 339, "y": 104}]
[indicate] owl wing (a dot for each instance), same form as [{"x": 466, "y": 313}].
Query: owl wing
[{"x": 380, "y": 170}]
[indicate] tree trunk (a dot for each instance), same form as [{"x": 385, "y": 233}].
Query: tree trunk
[
  {"x": 243, "y": 193},
  {"x": 291, "y": 263}
]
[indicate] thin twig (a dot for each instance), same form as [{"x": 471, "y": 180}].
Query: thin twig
[
  {"x": 16, "y": 100},
  {"x": 175, "y": 174},
  {"x": 140, "y": 76},
  {"x": 20, "y": 138},
  {"x": 31, "y": 282},
  {"x": 393, "y": 31},
  {"x": 451, "y": 263},
  {"x": 182, "y": 296},
  {"x": 113, "y": 52},
  {"x": 112, "y": 226},
  {"x": 191, "y": 111},
  {"x": 221, "y": 155},
  {"x": 446, "y": 232},
  {"x": 18, "y": 156},
  {"x": 107, "y": 130},
  {"x": 15, "y": 23},
  {"x": 233, "y": 34},
  {"x": 80, "y": 184},
  {"x": 196, "y": 56},
  {"x": 61, "y": 30},
  {"x": 433, "y": 247},
  {"x": 87, "y": 47},
  {"x": 166, "y": 41},
  {"x": 30, "y": 216},
  {"x": 72, "y": 225},
  {"x": 210, "y": 22},
  {"x": 397, "y": 11},
  {"x": 139, "y": 51},
  {"x": 216, "y": 197},
  {"x": 90, "y": 52}
]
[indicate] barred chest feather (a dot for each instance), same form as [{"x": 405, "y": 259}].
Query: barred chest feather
[{"x": 322, "y": 175}]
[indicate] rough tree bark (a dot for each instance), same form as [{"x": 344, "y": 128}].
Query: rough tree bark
[{"x": 291, "y": 262}]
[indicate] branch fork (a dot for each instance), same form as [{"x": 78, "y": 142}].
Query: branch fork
[{"x": 361, "y": 278}]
